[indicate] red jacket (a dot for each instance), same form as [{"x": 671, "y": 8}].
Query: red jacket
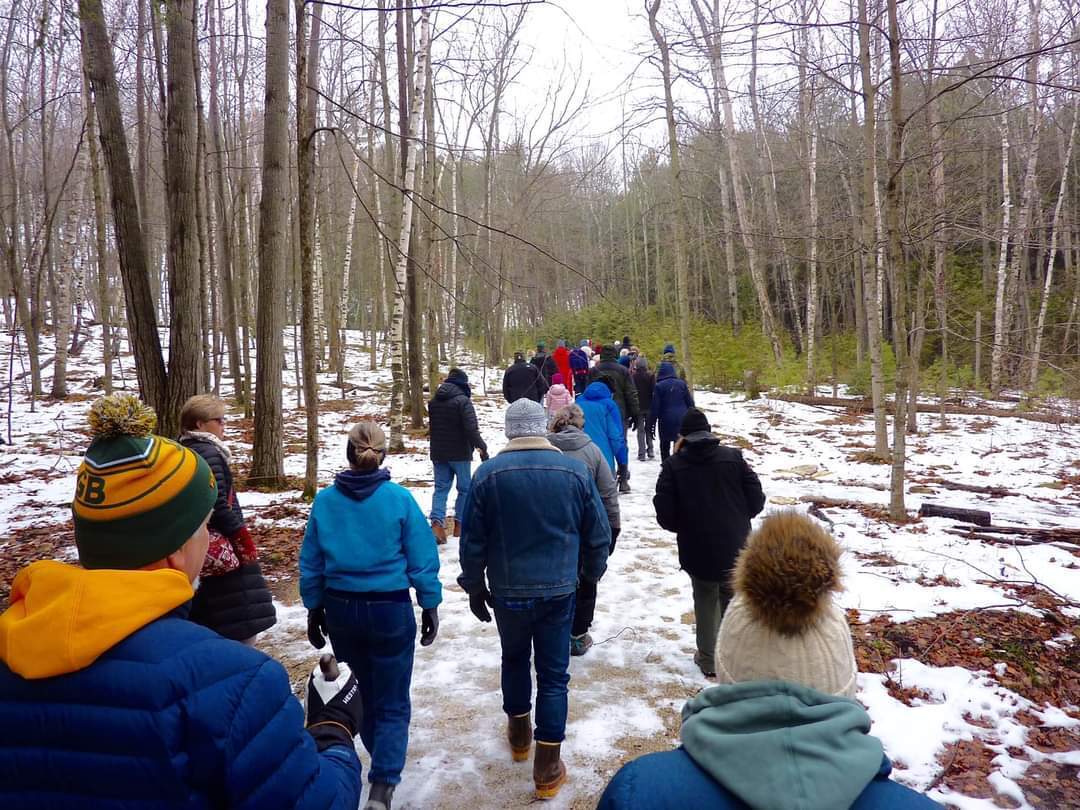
[{"x": 561, "y": 356}]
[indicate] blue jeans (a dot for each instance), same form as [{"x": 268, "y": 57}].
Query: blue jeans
[
  {"x": 445, "y": 473},
  {"x": 543, "y": 626},
  {"x": 376, "y": 637}
]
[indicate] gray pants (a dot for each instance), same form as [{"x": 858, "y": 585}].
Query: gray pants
[
  {"x": 644, "y": 438},
  {"x": 710, "y": 601}
]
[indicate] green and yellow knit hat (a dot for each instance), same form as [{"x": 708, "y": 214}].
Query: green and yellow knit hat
[{"x": 139, "y": 497}]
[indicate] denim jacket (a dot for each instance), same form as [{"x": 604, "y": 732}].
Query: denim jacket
[{"x": 532, "y": 519}]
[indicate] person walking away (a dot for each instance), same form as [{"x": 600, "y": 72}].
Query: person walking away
[
  {"x": 531, "y": 555},
  {"x": 624, "y": 392},
  {"x": 366, "y": 544},
  {"x": 567, "y": 434},
  {"x": 561, "y": 357},
  {"x": 624, "y": 358},
  {"x": 668, "y": 356},
  {"x": 523, "y": 380},
  {"x": 557, "y": 396},
  {"x": 544, "y": 362},
  {"x": 454, "y": 434},
  {"x": 644, "y": 381},
  {"x": 671, "y": 400},
  {"x": 782, "y": 729},
  {"x": 110, "y": 697},
  {"x": 579, "y": 368},
  {"x": 706, "y": 493},
  {"x": 233, "y": 598},
  {"x": 603, "y": 424}
]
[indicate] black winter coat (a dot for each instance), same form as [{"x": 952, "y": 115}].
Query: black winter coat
[
  {"x": 707, "y": 494},
  {"x": 454, "y": 429},
  {"x": 644, "y": 382},
  {"x": 237, "y": 605},
  {"x": 623, "y": 390},
  {"x": 227, "y": 517},
  {"x": 523, "y": 380},
  {"x": 547, "y": 365}
]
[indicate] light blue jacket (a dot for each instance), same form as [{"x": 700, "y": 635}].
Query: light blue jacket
[
  {"x": 603, "y": 422},
  {"x": 367, "y": 534}
]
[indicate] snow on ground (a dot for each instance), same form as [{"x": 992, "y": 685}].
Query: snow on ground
[{"x": 627, "y": 692}]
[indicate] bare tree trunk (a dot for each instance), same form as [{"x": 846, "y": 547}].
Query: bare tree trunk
[
  {"x": 268, "y": 452},
  {"x": 682, "y": 227},
  {"x": 397, "y": 399},
  {"x": 65, "y": 282},
  {"x": 997, "y": 353},
  {"x": 101, "y": 251},
  {"x": 134, "y": 268}
]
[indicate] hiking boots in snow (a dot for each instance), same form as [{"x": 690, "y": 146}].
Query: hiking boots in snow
[
  {"x": 708, "y": 669},
  {"x": 519, "y": 733},
  {"x": 579, "y": 645},
  {"x": 439, "y": 532},
  {"x": 456, "y": 526},
  {"x": 380, "y": 796},
  {"x": 549, "y": 773},
  {"x": 624, "y": 486}
]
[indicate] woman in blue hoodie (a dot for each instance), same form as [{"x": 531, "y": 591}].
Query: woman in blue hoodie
[
  {"x": 603, "y": 423},
  {"x": 366, "y": 544},
  {"x": 671, "y": 400}
]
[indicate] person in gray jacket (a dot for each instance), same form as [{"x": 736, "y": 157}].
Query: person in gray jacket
[{"x": 568, "y": 435}]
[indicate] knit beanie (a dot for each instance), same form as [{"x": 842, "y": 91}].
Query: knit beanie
[
  {"x": 525, "y": 418},
  {"x": 669, "y": 348},
  {"x": 607, "y": 352},
  {"x": 694, "y": 421},
  {"x": 782, "y": 623},
  {"x": 556, "y": 379},
  {"x": 540, "y": 345},
  {"x": 561, "y": 344},
  {"x": 139, "y": 497},
  {"x": 456, "y": 375}
]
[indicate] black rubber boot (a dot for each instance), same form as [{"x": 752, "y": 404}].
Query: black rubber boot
[{"x": 379, "y": 797}]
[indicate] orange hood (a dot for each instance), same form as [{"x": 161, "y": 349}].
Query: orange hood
[{"x": 62, "y": 618}]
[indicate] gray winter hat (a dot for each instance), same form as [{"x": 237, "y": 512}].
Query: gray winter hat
[{"x": 526, "y": 418}]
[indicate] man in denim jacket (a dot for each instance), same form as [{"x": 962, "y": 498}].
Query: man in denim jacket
[{"x": 530, "y": 516}]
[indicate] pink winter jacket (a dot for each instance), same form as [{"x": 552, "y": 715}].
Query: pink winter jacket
[{"x": 557, "y": 397}]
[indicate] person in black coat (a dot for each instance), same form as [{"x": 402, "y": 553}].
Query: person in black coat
[
  {"x": 523, "y": 380},
  {"x": 232, "y": 597},
  {"x": 544, "y": 362},
  {"x": 624, "y": 392},
  {"x": 644, "y": 382},
  {"x": 707, "y": 494},
  {"x": 455, "y": 434}
]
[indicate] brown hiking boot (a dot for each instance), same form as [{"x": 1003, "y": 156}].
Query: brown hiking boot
[
  {"x": 457, "y": 526},
  {"x": 519, "y": 733},
  {"x": 439, "y": 532},
  {"x": 549, "y": 773}
]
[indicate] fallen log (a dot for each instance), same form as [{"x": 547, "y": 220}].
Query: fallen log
[
  {"x": 993, "y": 492},
  {"x": 865, "y": 405},
  {"x": 1044, "y": 533},
  {"x": 973, "y": 533},
  {"x": 977, "y": 516}
]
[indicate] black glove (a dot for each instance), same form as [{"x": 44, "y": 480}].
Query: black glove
[
  {"x": 429, "y": 626},
  {"x": 614, "y": 537},
  {"x": 316, "y": 628},
  {"x": 483, "y": 454},
  {"x": 478, "y": 604},
  {"x": 334, "y": 708},
  {"x": 635, "y": 423}
]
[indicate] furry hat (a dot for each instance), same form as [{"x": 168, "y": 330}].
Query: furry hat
[{"x": 782, "y": 623}]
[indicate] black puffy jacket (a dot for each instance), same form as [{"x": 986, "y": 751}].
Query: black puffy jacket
[
  {"x": 227, "y": 517},
  {"x": 455, "y": 432},
  {"x": 523, "y": 380},
  {"x": 707, "y": 494}
]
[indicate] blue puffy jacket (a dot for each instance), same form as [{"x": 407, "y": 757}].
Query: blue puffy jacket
[
  {"x": 603, "y": 422},
  {"x": 530, "y": 515},
  {"x": 671, "y": 400},
  {"x": 109, "y": 699},
  {"x": 366, "y": 533}
]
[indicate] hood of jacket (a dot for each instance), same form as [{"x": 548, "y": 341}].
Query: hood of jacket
[
  {"x": 452, "y": 388},
  {"x": 360, "y": 485},
  {"x": 569, "y": 438},
  {"x": 62, "y": 617},
  {"x": 665, "y": 372},
  {"x": 782, "y": 746},
  {"x": 558, "y": 389},
  {"x": 597, "y": 390}
]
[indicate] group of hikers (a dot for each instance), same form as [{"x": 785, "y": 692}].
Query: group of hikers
[{"x": 122, "y": 680}]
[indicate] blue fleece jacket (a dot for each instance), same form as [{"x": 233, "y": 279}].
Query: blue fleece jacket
[
  {"x": 367, "y": 534},
  {"x": 603, "y": 422}
]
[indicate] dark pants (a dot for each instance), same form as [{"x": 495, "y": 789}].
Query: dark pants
[
  {"x": 585, "y": 608},
  {"x": 541, "y": 626},
  {"x": 644, "y": 438},
  {"x": 376, "y": 637},
  {"x": 710, "y": 602},
  {"x": 665, "y": 448}
]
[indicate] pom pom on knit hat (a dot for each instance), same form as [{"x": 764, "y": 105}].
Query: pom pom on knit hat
[
  {"x": 525, "y": 418},
  {"x": 138, "y": 497},
  {"x": 782, "y": 623}
]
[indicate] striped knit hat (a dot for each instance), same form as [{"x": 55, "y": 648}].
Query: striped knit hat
[{"x": 139, "y": 497}]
